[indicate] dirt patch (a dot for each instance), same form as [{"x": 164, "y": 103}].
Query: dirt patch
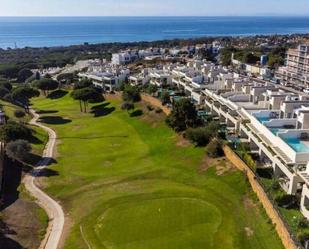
[
  {"x": 156, "y": 103},
  {"x": 249, "y": 204},
  {"x": 115, "y": 96},
  {"x": 249, "y": 231},
  {"x": 182, "y": 142},
  {"x": 224, "y": 166},
  {"x": 151, "y": 117},
  {"x": 24, "y": 223},
  {"x": 221, "y": 164}
]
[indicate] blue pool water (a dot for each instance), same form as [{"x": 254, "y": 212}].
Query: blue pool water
[
  {"x": 263, "y": 119},
  {"x": 275, "y": 130},
  {"x": 296, "y": 145},
  {"x": 63, "y": 31}
]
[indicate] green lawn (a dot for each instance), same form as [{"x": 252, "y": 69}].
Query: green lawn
[{"x": 128, "y": 183}]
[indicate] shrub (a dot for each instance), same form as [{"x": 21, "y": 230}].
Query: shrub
[
  {"x": 275, "y": 184},
  {"x": 199, "y": 136},
  {"x": 24, "y": 74},
  {"x": 284, "y": 200},
  {"x": 6, "y": 85},
  {"x": 131, "y": 94},
  {"x": 3, "y": 92},
  {"x": 159, "y": 110},
  {"x": 249, "y": 161},
  {"x": 303, "y": 236},
  {"x": 14, "y": 131},
  {"x": 303, "y": 223},
  {"x": 18, "y": 150},
  {"x": 151, "y": 89},
  {"x": 19, "y": 114},
  {"x": 84, "y": 83},
  {"x": 183, "y": 116},
  {"x": 128, "y": 106},
  {"x": 149, "y": 107},
  {"x": 165, "y": 98},
  {"x": 214, "y": 149}
]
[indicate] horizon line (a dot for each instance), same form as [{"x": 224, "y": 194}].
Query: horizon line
[{"x": 254, "y": 15}]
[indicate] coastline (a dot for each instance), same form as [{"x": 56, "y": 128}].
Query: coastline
[{"x": 36, "y": 32}]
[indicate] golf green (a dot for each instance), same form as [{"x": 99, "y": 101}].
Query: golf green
[{"x": 132, "y": 183}]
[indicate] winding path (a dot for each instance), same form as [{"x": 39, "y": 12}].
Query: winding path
[{"x": 52, "y": 208}]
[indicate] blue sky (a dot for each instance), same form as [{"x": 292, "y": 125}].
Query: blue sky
[{"x": 152, "y": 7}]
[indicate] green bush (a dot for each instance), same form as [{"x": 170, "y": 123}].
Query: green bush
[
  {"x": 183, "y": 116},
  {"x": 303, "y": 223},
  {"x": 13, "y": 131},
  {"x": 249, "y": 161},
  {"x": 131, "y": 94},
  {"x": 165, "y": 98},
  {"x": 84, "y": 83},
  {"x": 275, "y": 184},
  {"x": 303, "y": 236},
  {"x": 18, "y": 150},
  {"x": 199, "y": 136},
  {"x": 284, "y": 200},
  {"x": 149, "y": 107},
  {"x": 214, "y": 149},
  {"x": 159, "y": 110}
]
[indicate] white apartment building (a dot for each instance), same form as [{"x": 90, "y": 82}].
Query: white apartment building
[
  {"x": 160, "y": 77},
  {"x": 276, "y": 125},
  {"x": 273, "y": 121},
  {"x": 123, "y": 58},
  {"x": 296, "y": 69},
  {"x": 106, "y": 77}
]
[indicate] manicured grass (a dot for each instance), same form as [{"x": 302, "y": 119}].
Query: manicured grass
[{"x": 128, "y": 183}]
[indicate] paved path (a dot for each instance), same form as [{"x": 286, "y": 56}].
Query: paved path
[{"x": 52, "y": 208}]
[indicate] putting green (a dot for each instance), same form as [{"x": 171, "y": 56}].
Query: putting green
[{"x": 164, "y": 223}]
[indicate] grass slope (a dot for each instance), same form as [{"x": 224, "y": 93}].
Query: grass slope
[
  {"x": 127, "y": 183},
  {"x": 23, "y": 215}
]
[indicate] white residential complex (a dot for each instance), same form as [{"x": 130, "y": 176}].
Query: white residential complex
[
  {"x": 106, "y": 76},
  {"x": 274, "y": 122},
  {"x": 296, "y": 70}
]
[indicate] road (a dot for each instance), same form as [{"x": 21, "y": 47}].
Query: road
[{"x": 52, "y": 207}]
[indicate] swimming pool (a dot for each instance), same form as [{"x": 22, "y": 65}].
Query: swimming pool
[
  {"x": 275, "y": 130},
  {"x": 296, "y": 144},
  {"x": 263, "y": 119}
]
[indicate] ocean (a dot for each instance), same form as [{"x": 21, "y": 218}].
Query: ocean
[{"x": 64, "y": 31}]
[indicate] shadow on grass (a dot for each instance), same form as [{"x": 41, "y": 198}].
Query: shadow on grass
[
  {"x": 11, "y": 181},
  {"x": 47, "y": 173},
  {"x": 137, "y": 113},
  {"x": 33, "y": 139},
  {"x": 102, "y": 110},
  {"x": 8, "y": 243},
  {"x": 57, "y": 94},
  {"x": 46, "y": 111},
  {"x": 56, "y": 120},
  {"x": 32, "y": 159}
]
